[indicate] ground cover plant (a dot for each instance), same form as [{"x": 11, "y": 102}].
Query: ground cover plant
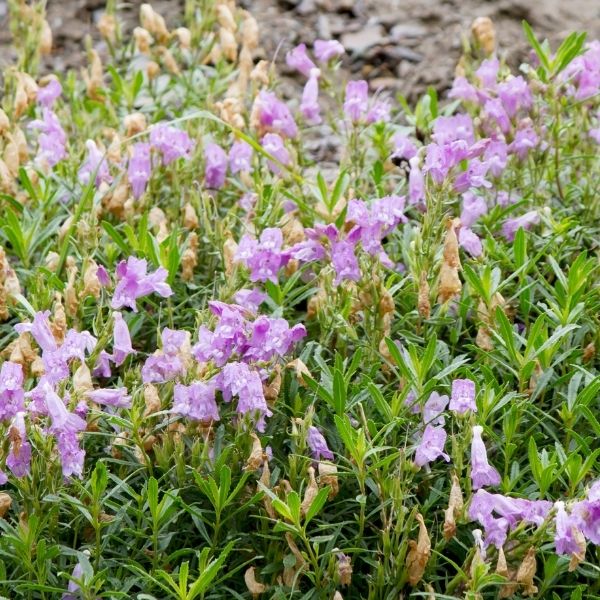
[{"x": 229, "y": 372}]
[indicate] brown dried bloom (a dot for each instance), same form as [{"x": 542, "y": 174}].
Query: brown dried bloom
[
  {"x": 526, "y": 573},
  {"x": 455, "y": 507},
  {"x": 577, "y": 557},
  {"x": 91, "y": 283},
  {"x": 134, "y": 123},
  {"x": 189, "y": 258},
  {"x": 484, "y": 34},
  {"x": 328, "y": 476},
  {"x": 310, "y": 493},
  {"x": 59, "y": 321},
  {"x": 184, "y": 37},
  {"x": 254, "y": 587},
  {"x": 82, "y": 379},
  {"x": 143, "y": 40},
  {"x": 228, "y": 44},
  {"x": 154, "y": 23},
  {"x": 107, "y": 26},
  {"x": 249, "y": 31},
  {"x": 5, "y": 504},
  {"x": 257, "y": 456},
  {"x": 449, "y": 283},
  {"x": 229, "y": 251},
  {"x": 272, "y": 388},
  {"x": 418, "y": 554},
  {"x": 45, "y": 39},
  {"x": 190, "y": 218},
  {"x": 344, "y": 569},
  {"x": 93, "y": 75},
  {"x": 225, "y": 18},
  {"x": 4, "y": 122},
  {"x": 151, "y": 400},
  {"x": 300, "y": 369},
  {"x": 260, "y": 73},
  {"x": 423, "y": 303},
  {"x": 169, "y": 60}
]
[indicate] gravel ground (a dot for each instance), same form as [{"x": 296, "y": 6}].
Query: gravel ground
[{"x": 400, "y": 45}]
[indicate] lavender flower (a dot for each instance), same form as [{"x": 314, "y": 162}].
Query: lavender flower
[
  {"x": 19, "y": 456},
  {"x": 565, "y": 540},
  {"x": 525, "y": 140},
  {"x": 450, "y": 129},
  {"x": 379, "y": 111},
  {"x": 250, "y": 299},
  {"x": 488, "y": 72},
  {"x": 298, "y": 59},
  {"x": 116, "y": 397},
  {"x": 344, "y": 262},
  {"x": 462, "y": 398},
  {"x": 470, "y": 242},
  {"x": 159, "y": 368},
  {"x": 309, "y": 106},
  {"x": 65, "y": 427},
  {"x": 482, "y": 473},
  {"x": 171, "y": 142},
  {"x": 431, "y": 446},
  {"x": 134, "y": 282},
  {"x": 216, "y": 166},
  {"x": 473, "y": 207},
  {"x": 73, "y": 587},
  {"x": 526, "y": 221},
  {"x": 403, "y": 147},
  {"x": 264, "y": 257},
  {"x": 463, "y": 90},
  {"x": 273, "y": 145},
  {"x": 240, "y": 157},
  {"x": 318, "y": 444},
  {"x": 494, "y": 109},
  {"x": 52, "y": 139},
  {"x": 139, "y": 168},
  {"x": 275, "y": 116},
  {"x": 237, "y": 379},
  {"x": 95, "y": 164},
  {"x": 47, "y": 95},
  {"x": 434, "y": 408},
  {"x": 12, "y": 394},
  {"x": 196, "y": 401},
  {"x": 587, "y": 514},
  {"x": 515, "y": 94},
  {"x": 355, "y": 103},
  {"x": 121, "y": 340},
  {"x": 325, "y": 50}
]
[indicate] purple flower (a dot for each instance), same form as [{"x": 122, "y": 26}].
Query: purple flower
[
  {"x": 344, "y": 262},
  {"x": 236, "y": 379},
  {"x": 494, "y": 109},
  {"x": 40, "y": 330},
  {"x": 19, "y": 456},
  {"x": 450, "y": 129},
  {"x": 114, "y": 397},
  {"x": 250, "y": 299},
  {"x": 309, "y": 106},
  {"x": 325, "y": 50},
  {"x": 298, "y": 59},
  {"x": 473, "y": 177},
  {"x": 462, "y": 398},
  {"x": 12, "y": 394},
  {"x": 102, "y": 367},
  {"x": 463, "y": 90},
  {"x": 403, "y": 147},
  {"x": 379, "y": 111},
  {"x": 159, "y": 368},
  {"x": 65, "y": 427},
  {"x": 565, "y": 540},
  {"x": 264, "y": 257},
  {"x": 95, "y": 165},
  {"x": 196, "y": 401},
  {"x": 135, "y": 282},
  {"x": 47, "y": 95},
  {"x": 587, "y": 513},
  {"x": 275, "y": 116},
  {"x": 103, "y": 276},
  {"x": 515, "y": 94},
  {"x": 525, "y": 140},
  {"x": 431, "y": 446},
  {"x": 526, "y": 221},
  {"x": 52, "y": 139},
  {"x": 488, "y": 72},
  {"x": 482, "y": 473},
  {"x": 355, "y": 103},
  {"x": 240, "y": 157},
  {"x": 473, "y": 207},
  {"x": 318, "y": 445},
  {"x": 76, "y": 575},
  {"x": 433, "y": 409},
  {"x": 273, "y": 145},
  {"x": 171, "y": 142},
  {"x": 273, "y": 337},
  {"x": 121, "y": 340},
  {"x": 215, "y": 166},
  {"x": 416, "y": 182},
  {"x": 139, "y": 168},
  {"x": 496, "y": 157},
  {"x": 470, "y": 241}
]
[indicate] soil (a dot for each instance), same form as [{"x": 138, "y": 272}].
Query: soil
[{"x": 399, "y": 45}]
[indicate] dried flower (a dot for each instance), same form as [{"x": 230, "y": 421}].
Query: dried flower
[{"x": 418, "y": 553}]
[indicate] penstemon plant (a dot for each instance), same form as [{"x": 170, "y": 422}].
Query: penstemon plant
[{"x": 232, "y": 369}]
